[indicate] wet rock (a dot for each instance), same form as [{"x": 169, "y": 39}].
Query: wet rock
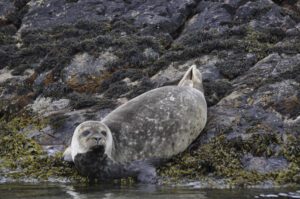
[
  {"x": 84, "y": 64},
  {"x": 171, "y": 74},
  {"x": 271, "y": 68},
  {"x": 47, "y": 106},
  {"x": 62, "y": 125},
  {"x": 86, "y": 72},
  {"x": 4, "y": 57},
  {"x": 264, "y": 165},
  {"x": 282, "y": 97},
  {"x": 236, "y": 64},
  {"x": 5, "y": 74},
  {"x": 211, "y": 15},
  {"x": 158, "y": 17},
  {"x": 6, "y": 7},
  {"x": 252, "y": 10},
  {"x": 70, "y": 61}
]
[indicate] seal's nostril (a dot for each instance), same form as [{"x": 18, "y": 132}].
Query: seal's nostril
[{"x": 97, "y": 139}]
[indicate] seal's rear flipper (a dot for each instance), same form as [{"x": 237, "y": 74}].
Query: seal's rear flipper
[
  {"x": 147, "y": 173},
  {"x": 192, "y": 78},
  {"x": 147, "y": 176},
  {"x": 146, "y": 169}
]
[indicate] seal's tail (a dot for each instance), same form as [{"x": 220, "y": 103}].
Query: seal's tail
[{"x": 192, "y": 78}]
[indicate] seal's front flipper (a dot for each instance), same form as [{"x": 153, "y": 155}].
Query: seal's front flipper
[
  {"x": 192, "y": 78},
  {"x": 67, "y": 156}
]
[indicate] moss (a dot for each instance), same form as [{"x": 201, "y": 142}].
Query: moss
[
  {"x": 254, "y": 46},
  {"x": 235, "y": 65},
  {"x": 6, "y": 39},
  {"x": 221, "y": 157},
  {"x": 261, "y": 144},
  {"x": 262, "y": 42},
  {"x": 123, "y": 26},
  {"x": 290, "y": 175},
  {"x": 116, "y": 89},
  {"x": 53, "y": 49},
  {"x": 22, "y": 157},
  {"x": 215, "y": 90},
  {"x": 291, "y": 151},
  {"x": 24, "y": 120},
  {"x": 215, "y": 157}
]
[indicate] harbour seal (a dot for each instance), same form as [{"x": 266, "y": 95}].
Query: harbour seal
[
  {"x": 153, "y": 126},
  {"x": 91, "y": 148}
]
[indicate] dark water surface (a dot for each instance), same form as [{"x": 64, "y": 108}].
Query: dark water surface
[{"x": 59, "y": 191}]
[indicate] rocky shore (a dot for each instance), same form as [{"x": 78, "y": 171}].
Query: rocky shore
[{"x": 66, "y": 61}]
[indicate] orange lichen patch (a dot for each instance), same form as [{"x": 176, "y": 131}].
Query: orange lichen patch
[
  {"x": 91, "y": 83},
  {"x": 49, "y": 79},
  {"x": 25, "y": 99},
  {"x": 31, "y": 78},
  {"x": 290, "y": 104}
]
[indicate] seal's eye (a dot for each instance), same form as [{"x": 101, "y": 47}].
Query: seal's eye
[
  {"x": 103, "y": 133},
  {"x": 85, "y": 133}
]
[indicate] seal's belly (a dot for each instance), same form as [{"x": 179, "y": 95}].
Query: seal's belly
[{"x": 160, "y": 123}]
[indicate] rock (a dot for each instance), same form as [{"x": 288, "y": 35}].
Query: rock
[
  {"x": 84, "y": 72},
  {"x": 211, "y": 15},
  {"x": 47, "y": 106},
  {"x": 5, "y": 74},
  {"x": 282, "y": 97},
  {"x": 4, "y": 58},
  {"x": 6, "y": 8},
  {"x": 264, "y": 165},
  {"x": 158, "y": 17},
  {"x": 62, "y": 127},
  {"x": 250, "y": 9},
  {"x": 65, "y": 62},
  {"x": 150, "y": 54},
  {"x": 272, "y": 67}
]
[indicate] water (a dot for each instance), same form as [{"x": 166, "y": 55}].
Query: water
[{"x": 59, "y": 191}]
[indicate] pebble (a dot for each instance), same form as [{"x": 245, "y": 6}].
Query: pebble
[
  {"x": 268, "y": 195},
  {"x": 295, "y": 196},
  {"x": 281, "y": 195}
]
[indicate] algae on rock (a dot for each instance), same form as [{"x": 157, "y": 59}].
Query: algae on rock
[
  {"x": 23, "y": 158},
  {"x": 222, "y": 157}
]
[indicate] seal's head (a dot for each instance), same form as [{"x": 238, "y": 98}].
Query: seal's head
[{"x": 90, "y": 135}]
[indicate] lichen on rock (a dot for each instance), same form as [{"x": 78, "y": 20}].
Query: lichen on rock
[
  {"x": 22, "y": 158},
  {"x": 64, "y": 62}
]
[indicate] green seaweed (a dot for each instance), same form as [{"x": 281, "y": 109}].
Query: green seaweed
[
  {"x": 262, "y": 42},
  {"x": 23, "y": 157},
  {"x": 221, "y": 157},
  {"x": 291, "y": 151}
]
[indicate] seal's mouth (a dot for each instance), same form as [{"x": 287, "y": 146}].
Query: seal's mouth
[{"x": 98, "y": 148}]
